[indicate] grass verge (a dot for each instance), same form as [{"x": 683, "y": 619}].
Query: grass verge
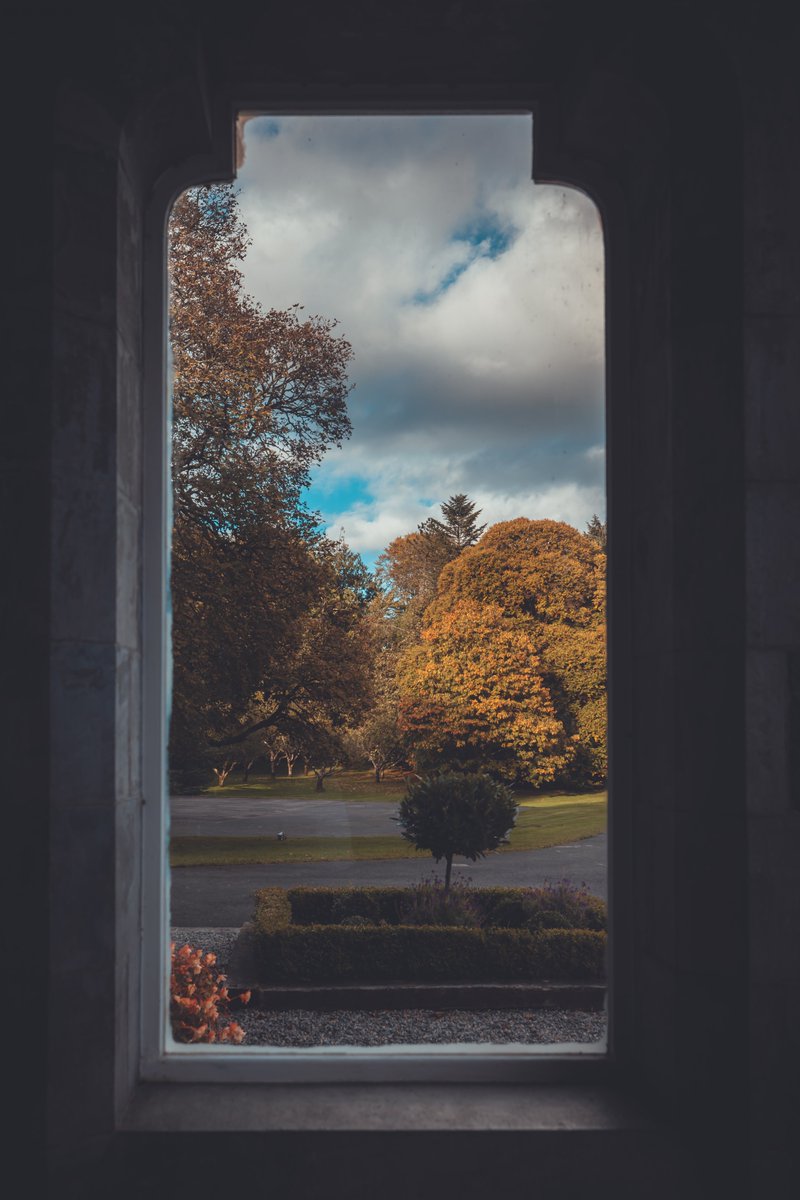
[{"x": 358, "y": 786}]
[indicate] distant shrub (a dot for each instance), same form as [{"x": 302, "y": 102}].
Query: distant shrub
[{"x": 199, "y": 1000}]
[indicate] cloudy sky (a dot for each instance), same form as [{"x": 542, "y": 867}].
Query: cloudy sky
[{"x": 473, "y": 301}]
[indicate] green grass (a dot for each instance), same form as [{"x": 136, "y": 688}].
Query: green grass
[
  {"x": 543, "y": 821},
  {"x": 342, "y": 785}
]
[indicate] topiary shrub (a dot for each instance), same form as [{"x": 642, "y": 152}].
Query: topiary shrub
[{"x": 452, "y": 813}]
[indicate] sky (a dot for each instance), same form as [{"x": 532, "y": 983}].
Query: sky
[{"x": 473, "y": 300}]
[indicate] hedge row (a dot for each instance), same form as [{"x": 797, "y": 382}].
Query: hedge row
[
  {"x": 315, "y": 954},
  {"x": 501, "y": 906}
]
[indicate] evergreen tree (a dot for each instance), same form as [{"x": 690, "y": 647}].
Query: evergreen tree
[
  {"x": 598, "y": 530},
  {"x": 460, "y": 525}
]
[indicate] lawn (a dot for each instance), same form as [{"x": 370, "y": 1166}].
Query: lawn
[
  {"x": 342, "y": 785},
  {"x": 542, "y": 821}
]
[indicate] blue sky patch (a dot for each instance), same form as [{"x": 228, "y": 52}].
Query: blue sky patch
[
  {"x": 486, "y": 235},
  {"x": 332, "y": 494},
  {"x": 486, "y": 239},
  {"x": 266, "y": 128}
]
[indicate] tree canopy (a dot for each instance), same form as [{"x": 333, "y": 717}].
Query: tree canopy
[
  {"x": 452, "y": 813},
  {"x": 257, "y": 594},
  {"x": 516, "y": 639},
  {"x": 474, "y": 697}
]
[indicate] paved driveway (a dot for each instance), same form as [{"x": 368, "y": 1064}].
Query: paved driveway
[
  {"x": 222, "y": 896},
  {"x": 210, "y": 816}
]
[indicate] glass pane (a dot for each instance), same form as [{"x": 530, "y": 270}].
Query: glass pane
[{"x": 388, "y": 588}]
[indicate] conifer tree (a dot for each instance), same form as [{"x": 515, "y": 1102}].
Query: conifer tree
[{"x": 460, "y": 524}]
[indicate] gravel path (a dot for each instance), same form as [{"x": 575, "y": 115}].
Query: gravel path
[{"x": 300, "y": 1027}]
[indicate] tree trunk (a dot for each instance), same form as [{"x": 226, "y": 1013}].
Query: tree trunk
[
  {"x": 319, "y": 786},
  {"x": 223, "y": 774},
  {"x": 289, "y": 766},
  {"x": 447, "y": 872},
  {"x": 378, "y": 773}
]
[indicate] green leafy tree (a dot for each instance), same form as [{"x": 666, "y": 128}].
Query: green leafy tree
[{"x": 453, "y": 814}]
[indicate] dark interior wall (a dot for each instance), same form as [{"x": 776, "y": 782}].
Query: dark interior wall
[{"x": 685, "y": 129}]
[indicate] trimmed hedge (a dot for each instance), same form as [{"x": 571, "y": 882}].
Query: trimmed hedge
[
  {"x": 291, "y": 949},
  {"x": 511, "y": 908},
  {"x": 273, "y": 910},
  {"x": 426, "y": 954},
  {"x": 330, "y": 905}
]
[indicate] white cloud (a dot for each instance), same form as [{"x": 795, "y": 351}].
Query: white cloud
[{"x": 493, "y": 383}]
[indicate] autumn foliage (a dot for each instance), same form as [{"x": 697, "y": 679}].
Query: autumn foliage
[
  {"x": 199, "y": 1000},
  {"x": 510, "y": 669},
  {"x": 475, "y": 697}
]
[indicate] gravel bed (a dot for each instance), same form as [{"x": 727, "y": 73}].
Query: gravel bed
[
  {"x": 301, "y": 1027},
  {"x": 213, "y": 941}
]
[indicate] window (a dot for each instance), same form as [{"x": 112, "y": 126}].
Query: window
[{"x": 538, "y": 350}]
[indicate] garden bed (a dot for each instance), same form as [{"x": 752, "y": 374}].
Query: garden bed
[{"x": 307, "y": 936}]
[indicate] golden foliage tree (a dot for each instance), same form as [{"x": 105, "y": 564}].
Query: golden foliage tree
[
  {"x": 532, "y": 591},
  {"x": 474, "y": 697}
]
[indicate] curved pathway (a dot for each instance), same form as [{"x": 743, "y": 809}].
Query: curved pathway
[{"x": 214, "y": 897}]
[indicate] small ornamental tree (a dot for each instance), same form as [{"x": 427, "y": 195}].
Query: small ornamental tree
[{"x": 453, "y": 814}]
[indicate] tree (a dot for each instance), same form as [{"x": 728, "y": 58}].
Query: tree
[
  {"x": 473, "y": 697},
  {"x": 410, "y": 566},
  {"x": 326, "y": 752},
  {"x": 546, "y": 582},
  {"x": 290, "y": 748},
  {"x": 598, "y": 530},
  {"x": 460, "y": 524},
  {"x": 257, "y": 399},
  {"x": 453, "y": 814},
  {"x": 380, "y": 739},
  {"x": 224, "y": 771},
  {"x": 270, "y": 739}
]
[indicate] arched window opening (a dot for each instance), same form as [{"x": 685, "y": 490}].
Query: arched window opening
[{"x": 388, "y": 590}]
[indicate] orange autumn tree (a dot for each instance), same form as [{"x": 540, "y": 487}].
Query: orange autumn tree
[
  {"x": 473, "y": 697},
  {"x": 543, "y": 583}
]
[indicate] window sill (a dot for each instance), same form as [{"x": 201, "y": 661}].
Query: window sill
[{"x": 381, "y": 1107}]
